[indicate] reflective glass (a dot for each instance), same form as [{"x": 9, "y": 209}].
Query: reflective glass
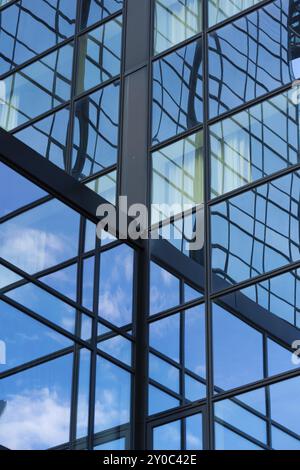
[
  {"x": 237, "y": 415},
  {"x": 64, "y": 281},
  {"x": 26, "y": 339},
  {"x": 283, "y": 441},
  {"x": 37, "y": 88},
  {"x": 49, "y": 137},
  {"x": 83, "y": 393},
  {"x": 165, "y": 336},
  {"x": 177, "y": 92},
  {"x": 112, "y": 407},
  {"x": 284, "y": 405},
  {"x": 177, "y": 177},
  {"x": 254, "y": 143},
  {"x": 194, "y": 390},
  {"x": 116, "y": 346},
  {"x": 280, "y": 359},
  {"x": 88, "y": 282},
  {"x": 25, "y": 21},
  {"x": 118, "y": 444},
  {"x": 99, "y": 55},
  {"x": 37, "y": 405},
  {"x": 252, "y": 56},
  {"x": 95, "y": 139},
  {"x": 96, "y": 10},
  {"x": 220, "y": 10},
  {"x": 41, "y": 237},
  {"x": 194, "y": 336},
  {"x": 45, "y": 304},
  {"x": 238, "y": 365},
  {"x": 225, "y": 439},
  {"x": 164, "y": 373},
  {"x": 167, "y": 437},
  {"x": 191, "y": 294},
  {"x": 160, "y": 401},
  {"x": 164, "y": 289},
  {"x": 256, "y": 232},
  {"x": 116, "y": 285},
  {"x": 16, "y": 191},
  {"x": 193, "y": 432},
  {"x": 175, "y": 21},
  {"x": 106, "y": 187}
]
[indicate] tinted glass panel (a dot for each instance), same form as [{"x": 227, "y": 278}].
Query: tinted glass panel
[
  {"x": 177, "y": 92},
  {"x": 112, "y": 407},
  {"x": 99, "y": 55},
  {"x": 37, "y": 88},
  {"x": 164, "y": 289},
  {"x": 225, "y": 439},
  {"x": 116, "y": 285},
  {"x": 37, "y": 404},
  {"x": 218, "y": 10},
  {"x": 95, "y": 139},
  {"x": 96, "y": 10},
  {"x": 248, "y": 349},
  {"x": 106, "y": 187},
  {"x": 177, "y": 177},
  {"x": 48, "y": 137},
  {"x": 256, "y": 232},
  {"x": 176, "y": 21},
  {"x": 41, "y": 237},
  {"x": 246, "y": 62},
  {"x": 254, "y": 143},
  {"x": 167, "y": 437},
  {"x": 27, "y": 20},
  {"x": 26, "y": 339}
]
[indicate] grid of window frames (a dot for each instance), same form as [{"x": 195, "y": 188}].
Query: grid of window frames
[
  {"x": 225, "y": 141},
  {"x": 222, "y": 318},
  {"x": 61, "y": 94}
]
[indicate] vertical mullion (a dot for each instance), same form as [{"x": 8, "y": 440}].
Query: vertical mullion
[{"x": 207, "y": 256}]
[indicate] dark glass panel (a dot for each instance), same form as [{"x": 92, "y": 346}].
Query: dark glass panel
[
  {"x": 95, "y": 140},
  {"x": 177, "y": 92}
]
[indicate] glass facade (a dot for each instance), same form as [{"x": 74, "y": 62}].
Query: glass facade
[{"x": 184, "y": 340}]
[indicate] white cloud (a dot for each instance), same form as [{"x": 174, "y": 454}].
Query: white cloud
[{"x": 38, "y": 419}]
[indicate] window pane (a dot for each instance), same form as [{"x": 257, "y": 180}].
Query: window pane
[
  {"x": 229, "y": 440},
  {"x": 254, "y": 143},
  {"x": 176, "y": 21},
  {"x": 283, "y": 441},
  {"x": 245, "y": 62},
  {"x": 37, "y": 406},
  {"x": 37, "y": 88},
  {"x": 26, "y": 339},
  {"x": 106, "y": 187},
  {"x": 64, "y": 281},
  {"x": 99, "y": 55},
  {"x": 49, "y": 137},
  {"x": 116, "y": 285},
  {"x": 167, "y": 437},
  {"x": 40, "y": 238},
  {"x": 112, "y": 407},
  {"x": 16, "y": 191},
  {"x": 177, "y": 92},
  {"x": 284, "y": 404},
  {"x": 83, "y": 393},
  {"x": 194, "y": 432},
  {"x": 164, "y": 289},
  {"x": 218, "y": 10},
  {"x": 118, "y": 444},
  {"x": 164, "y": 373},
  {"x": 160, "y": 401},
  {"x": 248, "y": 349},
  {"x": 95, "y": 10},
  {"x": 256, "y": 232},
  {"x": 95, "y": 140},
  {"x": 165, "y": 336},
  {"x": 194, "y": 331},
  {"x": 25, "y": 21},
  {"x": 177, "y": 177}
]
